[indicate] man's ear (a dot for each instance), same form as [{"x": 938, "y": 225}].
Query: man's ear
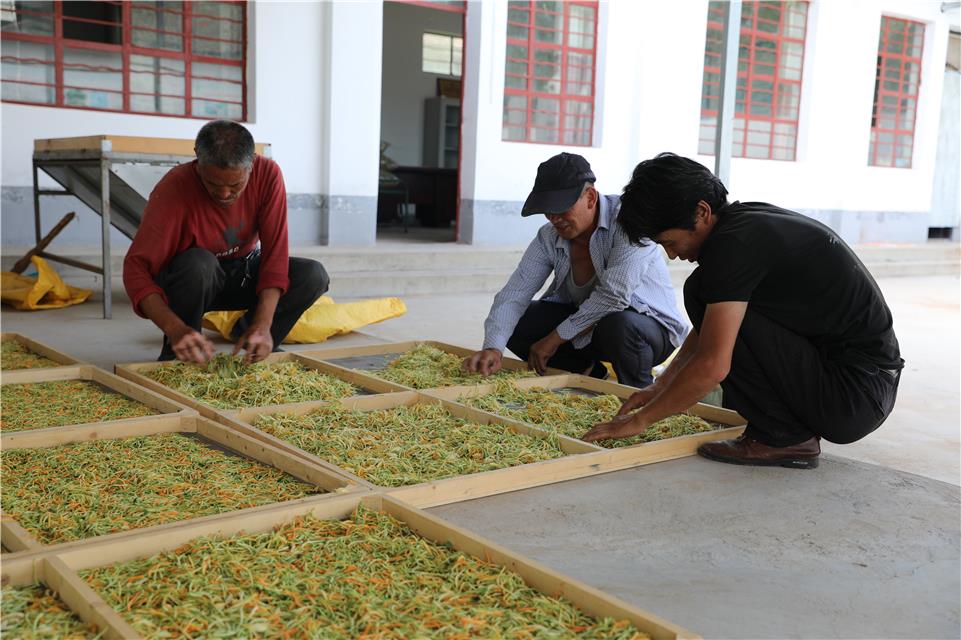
[{"x": 702, "y": 211}]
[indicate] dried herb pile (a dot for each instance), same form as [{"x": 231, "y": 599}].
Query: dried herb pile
[
  {"x": 36, "y": 405},
  {"x": 425, "y": 367},
  {"x": 14, "y": 355},
  {"x": 82, "y": 490},
  {"x": 406, "y": 445},
  {"x": 36, "y": 613},
  {"x": 227, "y": 383},
  {"x": 573, "y": 414},
  {"x": 366, "y": 577}
]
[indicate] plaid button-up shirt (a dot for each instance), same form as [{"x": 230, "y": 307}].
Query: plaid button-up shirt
[{"x": 627, "y": 276}]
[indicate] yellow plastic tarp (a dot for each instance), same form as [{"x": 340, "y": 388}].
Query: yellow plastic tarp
[
  {"x": 324, "y": 319},
  {"x": 46, "y": 291}
]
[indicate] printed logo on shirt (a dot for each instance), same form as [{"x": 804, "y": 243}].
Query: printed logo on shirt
[{"x": 228, "y": 252}]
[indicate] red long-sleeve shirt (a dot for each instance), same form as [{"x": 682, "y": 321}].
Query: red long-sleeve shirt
[{"x": 180, "y": 215}]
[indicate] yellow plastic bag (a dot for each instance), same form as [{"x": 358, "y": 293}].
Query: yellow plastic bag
[
  {"x": 46, "y": 291},
  {"x": 321, "y": 321}
]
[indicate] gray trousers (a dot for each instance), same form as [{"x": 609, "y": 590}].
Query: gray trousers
[{"x": 632, "y": 342}]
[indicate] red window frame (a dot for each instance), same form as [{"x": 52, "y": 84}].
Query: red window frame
[
  {"x": 748, "y": 73},
  {"x": 127, "y": 49},
  {"x": 888, "y": 73},
  {"x": 563, "y": 97}
]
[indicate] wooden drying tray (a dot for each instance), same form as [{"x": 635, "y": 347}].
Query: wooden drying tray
[
  {"x": 167, "y": 409},
  {"x": 331, "y": 355},
  {"x": 125, "y": 145},
  {"x": 58, "y": 570},
  {"x": 135, "y": 373},
  {"x": 17, "y": 539},
  {"x": 40, "y": 349}
]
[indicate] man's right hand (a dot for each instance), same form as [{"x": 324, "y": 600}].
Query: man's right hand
[
  {"x": 191, "y": 346},
  {"x": 637, "y": 400},
  {"x": 485, "y": 362}
]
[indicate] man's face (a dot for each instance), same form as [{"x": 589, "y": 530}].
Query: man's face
[
  {"x": 223, "y": 185},
  {"x": 686, "y": 243},
  {"x": 577, "y": 220}
]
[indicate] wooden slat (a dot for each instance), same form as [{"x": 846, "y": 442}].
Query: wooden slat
[
  {"x": 322, "y": 476},
  {"x": 126, "y": 144},
  {"x": 70, "y": 434},
  {"x": 588, "y": 599},
  {"x": 84, "y": 601},
  {"x": 51, "y": 374},
  {"x": 549, "y": 582},
  {"x": 15, "y": 538},
  {"x": 109, "y": 550},
  {"x": 39, "y": 348}
]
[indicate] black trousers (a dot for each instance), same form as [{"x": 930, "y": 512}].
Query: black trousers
[
  {"x": 632, "y": 342},
  {"x": 790, "y": 391},
  {"x": 196, "y": 282}
]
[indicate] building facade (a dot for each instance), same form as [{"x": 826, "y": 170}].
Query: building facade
[{"x": 838, "y": 114}]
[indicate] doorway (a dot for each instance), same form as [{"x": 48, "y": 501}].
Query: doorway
[{"x": 420, "y": 121}]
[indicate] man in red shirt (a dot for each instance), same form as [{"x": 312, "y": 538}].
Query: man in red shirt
[{"x": 197, "y": 250}]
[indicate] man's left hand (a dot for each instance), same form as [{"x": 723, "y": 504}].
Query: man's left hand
[
  {"x": 620, "y": 427},
  {"x": 542, "y": 351},
  {"x": 257, "y": 343}
]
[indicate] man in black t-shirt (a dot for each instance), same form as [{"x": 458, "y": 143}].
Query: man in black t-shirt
[{"x": 786, "y": 318}]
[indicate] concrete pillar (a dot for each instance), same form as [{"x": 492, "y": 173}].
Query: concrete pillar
[{"x": 352, "y": 39}]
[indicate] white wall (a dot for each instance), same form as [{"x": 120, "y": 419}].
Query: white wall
[
  {"x": 648, "y": 101},
  {"x": 287, "y": 98},
  {"x": 405, "y": 86}
]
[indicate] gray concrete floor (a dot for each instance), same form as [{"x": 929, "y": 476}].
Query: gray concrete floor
[{"x": 866, "y": 546}]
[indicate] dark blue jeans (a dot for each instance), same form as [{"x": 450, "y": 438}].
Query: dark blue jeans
[
  {"x": 632, "y": 342},
  {"x": 196, "y": 282}
]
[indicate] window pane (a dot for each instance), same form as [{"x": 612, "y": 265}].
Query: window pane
[
  {"x": 217, "y": 89},
  {"x": 217, "y": 29},
  {"x": 436, "y": 53},
  {"x": 92, "y": 79},
  {"x": 457, "y": 56},
  {"x": 157, "y": 85},
  {"x": 35, "y": 18},
  {"x": 93, "y": 22},
  {"x": 28, "y": 72},
  {"x": 157, "y": 25}
]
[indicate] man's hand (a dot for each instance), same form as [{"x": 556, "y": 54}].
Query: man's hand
[
  {"x": 485, "y": 362},
  {"x": 542, "y": 350},
  {"x": 637, "y": 400},
  {"x": 257, "y": 343},
  {"x": 619, "y": 427},
  {"x": 191, "y": 346}
]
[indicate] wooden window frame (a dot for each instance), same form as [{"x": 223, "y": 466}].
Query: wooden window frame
[{"x": 127, "y": 49}]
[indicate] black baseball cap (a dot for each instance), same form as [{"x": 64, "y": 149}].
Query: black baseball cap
[{"x": 558, "y": 185}]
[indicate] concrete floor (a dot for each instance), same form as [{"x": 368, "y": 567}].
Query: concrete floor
[{"x": 866, "y": 546}]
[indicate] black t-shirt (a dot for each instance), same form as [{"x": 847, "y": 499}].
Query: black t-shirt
[{"x": 797, "y": 272}]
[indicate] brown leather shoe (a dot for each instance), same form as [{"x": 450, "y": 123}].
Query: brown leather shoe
[{"x": 747, "y": 450}]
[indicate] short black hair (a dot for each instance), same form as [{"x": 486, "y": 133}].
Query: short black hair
[
  {"x": 225, "y": 144},
  {"x": 663, "y": 194}
]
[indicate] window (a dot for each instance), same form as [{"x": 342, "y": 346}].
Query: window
[
  {"x": 549, "y": 73},
  {"x": 158, "y": 57},
  {"x": 442, "y": 54},
  {"x": 768, "y": 99},
  {"x": 896, "y": 91}
]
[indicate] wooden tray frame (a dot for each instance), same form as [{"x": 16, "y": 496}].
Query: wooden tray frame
[
  {"x": 18, "y": 540},
  {"x": 328, "y": 354},
  {"x": 59, "y": 568},
  {"x": 134, "y": 373},
  {"x": 168, "y": 409},
  {"x": 40, "y": 349},
  {"x": 584, "y": 459}
]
